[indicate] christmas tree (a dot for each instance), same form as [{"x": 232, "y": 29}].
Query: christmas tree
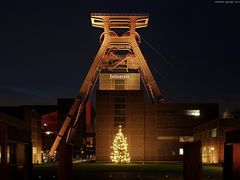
[{"x": 119, "y": 149}]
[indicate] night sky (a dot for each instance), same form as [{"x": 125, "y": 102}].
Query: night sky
[{"x": 192, "y": 48}]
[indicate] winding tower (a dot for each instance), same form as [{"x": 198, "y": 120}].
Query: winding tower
[{"x": 118, "y": 55}]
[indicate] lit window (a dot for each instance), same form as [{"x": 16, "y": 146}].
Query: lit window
[
  {"x": 195, "y": 112},
  {"x": 49, "y": 132},
  {"x": 167, "y": 138},
  {"x": 8, "y": 154},
  {"x": 34, "y": 150},
  {"x": 214, "y": 132},
  {"x": 181, "y": 151},
  {"x": 205, "y": 155},
  {"x": 0, "y": 153},
  {"x": 185, "y": 138}
]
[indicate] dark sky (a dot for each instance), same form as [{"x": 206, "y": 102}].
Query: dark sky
[{"x": 192, "y": 48}]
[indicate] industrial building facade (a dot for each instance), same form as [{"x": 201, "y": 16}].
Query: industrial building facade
[
  {"x": 212, "y": 136},
  {"x": 169, "y": 126},
  {"x": 114, "y": 108},
  {"x": 154, "y": 131},
  {"x": 20, "y": 142}
]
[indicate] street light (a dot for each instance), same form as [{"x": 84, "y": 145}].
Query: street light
[{"x": 212, "y": 149}]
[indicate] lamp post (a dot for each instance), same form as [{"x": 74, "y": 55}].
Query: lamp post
[{"x": 212, "y": 149}]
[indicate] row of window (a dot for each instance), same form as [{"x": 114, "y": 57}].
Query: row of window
[
  {"x": 119, "y": 113},
  {"x": 191, "y": 112},
  {"x": 176, "y": 138},
  {"x": 212, "y": 133}
]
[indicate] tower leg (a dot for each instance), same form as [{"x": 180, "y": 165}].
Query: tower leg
[
  {"x": 146, "y": 75},
  {"x": 82, "y": 97}
]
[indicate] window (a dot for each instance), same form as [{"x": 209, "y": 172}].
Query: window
[
  {"x": 119, "y": 84},
  {"x": 49, "y": 132},
  {"x": 195, "y": 112},
  {"x": 167, "y": 138},
  {"x": 181, "y": 151},
  {"x": 119, "y": 100},
  {"x": 204, "y": 155},
  {"x": 0, "y": 154},
  {"x": 34, "y": 150},
  {"x": 116, "y": 126},
  {"x": 8, "y": 154},
  {"x": 119, "y": 119},
  {"x": 119, "y": 106},
  {"x": 185, "y": 138},
  {"x": 90, "y": 141},
  {"x": 214, "y": 133},
  {"x": 34, "y": 155},
  {"x": 119, "y": 112}
]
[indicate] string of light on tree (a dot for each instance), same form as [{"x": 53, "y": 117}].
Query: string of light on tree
[{"x": 119, "y": 148}]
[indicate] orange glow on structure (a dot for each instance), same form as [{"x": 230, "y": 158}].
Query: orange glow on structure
[{"x": 88, "y": 116}]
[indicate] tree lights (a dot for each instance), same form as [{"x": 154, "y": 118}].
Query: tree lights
[{"x": 119, "y": 148}]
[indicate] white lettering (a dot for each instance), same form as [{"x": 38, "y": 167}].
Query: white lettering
[{"x": 119, "y": 76}]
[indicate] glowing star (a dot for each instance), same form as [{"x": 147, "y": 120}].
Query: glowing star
[{"x": 119, "y": 149}]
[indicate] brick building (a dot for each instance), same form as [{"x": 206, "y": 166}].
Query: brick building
[
  {"x": 212, "y": 135},
  {"x": 155, "y": 132},
  {"x": 20, "y": 141}
]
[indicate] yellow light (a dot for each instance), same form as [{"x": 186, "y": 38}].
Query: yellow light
[
  {"x": 120, "y": 153},
  {"x": 48, "y": 132}
]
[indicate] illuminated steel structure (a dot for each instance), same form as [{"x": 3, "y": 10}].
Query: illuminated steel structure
[{"x": 117, "y": 53}]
